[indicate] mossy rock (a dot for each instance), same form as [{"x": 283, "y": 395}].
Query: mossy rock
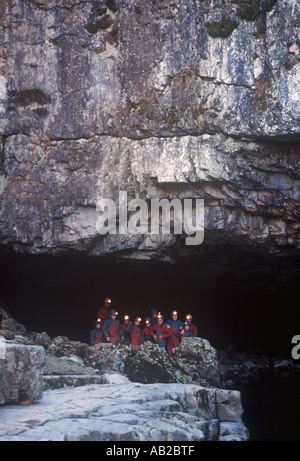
[
  {"x": 111, "y": 5},
  {"x": 62, "y": 346},
  {"x": 222, "y": 28},
  {"x": 250, "y": 10},
  {"x": 102, "y": 24}
]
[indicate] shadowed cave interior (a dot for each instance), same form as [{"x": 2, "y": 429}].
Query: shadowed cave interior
[{"x": 236, "y": 297}]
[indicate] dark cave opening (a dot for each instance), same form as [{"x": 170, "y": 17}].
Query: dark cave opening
[{"x": 61, "y": 295}]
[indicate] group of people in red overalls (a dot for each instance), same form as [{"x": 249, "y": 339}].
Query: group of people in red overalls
[{"x": 167, "y": 334}]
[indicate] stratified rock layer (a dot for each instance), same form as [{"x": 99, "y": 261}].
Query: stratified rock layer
[
  {"x": 160, "y": 99},
  {"x": 128, "y": 412}
]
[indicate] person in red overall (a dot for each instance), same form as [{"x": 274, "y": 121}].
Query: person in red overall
[
  {"x": 112, "y": 329},
  {"x": 135, "y": 333},
  {"x": 126, "y": 326},
  {"x": 146, "y": 331},
  {"x": 96, "y": 335},
  {"x": 160, "y": 332},
  {"x": 175, "y": 326},
  {"x": 193, "y": 327},
  {"x": 103, "y": 312}
]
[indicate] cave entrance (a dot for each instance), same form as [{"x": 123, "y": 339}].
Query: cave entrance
[{"x": 234, "y": 299}]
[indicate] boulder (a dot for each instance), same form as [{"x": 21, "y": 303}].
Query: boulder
[
  {"x": 7, "y": 323},
  {"x": 109, "y": 358},
  {"x": 152, "y": 364},
  {"x": 199, "y": 360},
  {"x": 21, "y": 371},
  {"x": 72, "y": 365},
  {"x": 61, "y": 346}
]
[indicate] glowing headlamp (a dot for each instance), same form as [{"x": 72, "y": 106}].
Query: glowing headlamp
[
  {"x": 126, "y": 317},
  {"x": 188, "y": 317},
  {"x": 174, "y": 313},
  {"x": 98, "y": 320}
]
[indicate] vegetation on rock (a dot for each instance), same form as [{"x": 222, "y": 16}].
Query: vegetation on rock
[
  {"x": 103, "y": 24},
  {"x": 250, "y": 10},
  {"x": 222, "y": 29}
]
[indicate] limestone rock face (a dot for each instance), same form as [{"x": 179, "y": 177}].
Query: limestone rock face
[
  {"x": 21, "y": 371},
  {"x": 148, "y": 69},
  {"x": 160, "y": 99}
]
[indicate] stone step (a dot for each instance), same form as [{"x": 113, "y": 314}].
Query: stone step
[{"x": 63, "y": 381}]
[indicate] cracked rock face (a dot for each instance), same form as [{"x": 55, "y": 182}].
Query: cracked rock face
[{"x": 147, "y": 98}]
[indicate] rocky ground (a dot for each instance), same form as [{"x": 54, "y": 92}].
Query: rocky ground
[
  {"x": 117, "y": 392},
  {"x": 127, "y": 412}
]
